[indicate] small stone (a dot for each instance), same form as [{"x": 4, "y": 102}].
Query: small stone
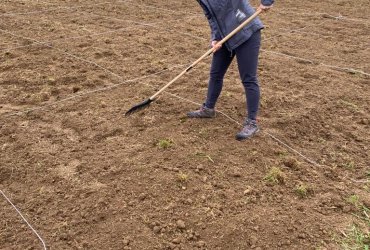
[
  {"x": 142, "y": 196},
  {"x": 248, "y": 190},
  {"x": 103, "y": 105},
  {"x": 347, "y": 209},
  {"x": 201, "y": 243},
  {"x": 302, "y": 236},
  {"x": 253, "y": 240},
  {"x": 156, "y": 229},
  {"x": 171, "y": 246},
  {"x": 126, "y": 242},
  {"x": 180, "y": 224},
  {"x": 176, "y": 241},
  {"x": 152, "y": 225},
  {"x": 189, "y": 201}
]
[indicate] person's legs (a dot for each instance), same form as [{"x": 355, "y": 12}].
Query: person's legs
[
  {"x": 247, "y": 57},
  {"x": 220, "y": 63}
]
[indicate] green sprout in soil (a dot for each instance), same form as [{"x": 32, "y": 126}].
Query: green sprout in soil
[
  {"x": 348, "y": 165},
  {"x": 354, "y": 200},
  {"x": 355, "y": 238},
  {"x": 165, "y": 143},
  {"x": 282, "y": 154},
  {"x": 302, "y": 190},
  {"x": 275, "y": 176},
  {"x": 182, "y": 177},
  {"x": 358, "y": 236},
  {"x": 204, "y": 155},
  {"x": 349, "y": 105}
]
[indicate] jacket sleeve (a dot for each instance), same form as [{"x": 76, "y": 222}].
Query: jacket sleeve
[
  {"x": 267, "y": 2},
  {"x": 215, "y": 34}
]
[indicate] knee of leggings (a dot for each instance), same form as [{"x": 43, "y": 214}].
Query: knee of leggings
[{"x": 251, "y": 84}]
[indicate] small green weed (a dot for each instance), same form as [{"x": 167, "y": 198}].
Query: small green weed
[
  {"x": 275, "y": 176},
  {"x": 348, "y": 165},
  {"x": 182, "y": 177},
  {"x": 354, "y": 200},
  {"x": 355, "y": 238},
  {"x": 349, "y": 105},
  {"x": 204, "y": 155},
  {"x": 358, "y": 235},
  {"x": 302, "y": 190},
  {"x": 165, "y": 143},
  {"x": 282, "y": 154}
]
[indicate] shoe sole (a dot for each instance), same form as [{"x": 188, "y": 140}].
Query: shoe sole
[{"x": 239, "y": 138}]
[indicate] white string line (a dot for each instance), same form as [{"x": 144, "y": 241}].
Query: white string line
[
  {"x": 24, "y": 219},
  {"x": 153, "y": 24},
  {"x": 44, "y": 105},
  {"x": 338, "y": 68},
  {"x": 161, "y": 8},
  {"x": 322, "y": 14},
  {"x": 276, "y": 11},
  {"x": 64, "y": 52},
  {"x": 325, "y": 15},
  {"x": 168, "y": 10},
  {"x": 69, "y": 38},
  {"x": 137, "y": 25},
  {"x": 286, "y": 31},
  {"x": 345, "y": 69},
  {"x": 140, "y": 24},
  {"x": 105, "y": 69},
  {"x": 117, "y": 75},
  {"x": 76, "y": 7},
  {"x": 52, "y": 9},
  {"x": 263, "y": 131}
]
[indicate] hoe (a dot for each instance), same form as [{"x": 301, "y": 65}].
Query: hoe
[{"x": 147, "y": 102}]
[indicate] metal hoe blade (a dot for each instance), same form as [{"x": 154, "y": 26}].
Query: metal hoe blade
[{"x": 138, "y": 107}]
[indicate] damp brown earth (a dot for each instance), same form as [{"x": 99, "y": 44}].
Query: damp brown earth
[{"x": 86, "y": 177}]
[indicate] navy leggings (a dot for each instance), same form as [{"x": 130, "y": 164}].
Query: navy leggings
[{"x": 247, "y": 58}]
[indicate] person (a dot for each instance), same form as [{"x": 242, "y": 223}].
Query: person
[{"x": 223, "y": 17}]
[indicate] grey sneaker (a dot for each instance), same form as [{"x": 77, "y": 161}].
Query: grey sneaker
[
  {"x": 249, "y": 130},
  {"x": 203, "y": 112}
]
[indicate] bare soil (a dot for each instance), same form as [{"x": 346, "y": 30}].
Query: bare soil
[{"x": 86, "y": 177}]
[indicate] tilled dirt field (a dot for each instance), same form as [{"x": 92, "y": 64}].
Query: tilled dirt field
[{"x": 86, "y": 177}]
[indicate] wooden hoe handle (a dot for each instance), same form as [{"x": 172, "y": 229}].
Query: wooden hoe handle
[{"x": 209, "y": 52}]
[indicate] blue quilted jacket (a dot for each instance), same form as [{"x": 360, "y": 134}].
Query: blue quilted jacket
[{"x": 225, "y": 15}]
